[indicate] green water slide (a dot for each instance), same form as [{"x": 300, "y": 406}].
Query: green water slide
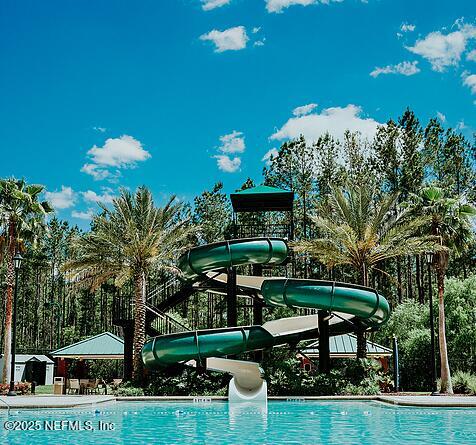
[{"x": 351, "y": 304}]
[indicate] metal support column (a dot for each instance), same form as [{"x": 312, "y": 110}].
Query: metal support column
[
  {"x": 324, "y": 350},
  {"x": 231, "y": 304}
]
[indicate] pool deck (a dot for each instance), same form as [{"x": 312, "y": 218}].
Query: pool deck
[{"x": 50, "y": 401}]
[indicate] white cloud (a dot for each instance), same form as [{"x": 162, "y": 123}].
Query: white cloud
[
  {"x": 461, "y": 125},
  {"x": 471, "y": 56},
  {"x": 95, "y": 171},
  {"x": 106, "y": 197},
  {"x": 304, "y": 109},
  {"x": 272, "y": 153},
  {"x": 335, "y": 120},
  {"x": 208, "y": 5},
  {"x": 256, "y": 29},
  {"x": 87, "y": 215},
  {"x": 441, "y": 117},
  {"x": 469, "y": 80},
  {"x": 227, "y": 164},
  {"x": 122, "y": 152},
  {"x": 231, "y": 39},
  {"x": 63, "y": 199},
  {"x": 260, "y": 42},
  {"x": 230, "y": 144},
  {"x": 407, "y": 27},
  {"x": 279, "y": 5},
  {"x": 444, "y": 50},
  {"x": 233, "y": 142},
  {"x": 119, "y": 152},
  {"x": 405, "y": 68},
  {"x": 100, "y": 129}
]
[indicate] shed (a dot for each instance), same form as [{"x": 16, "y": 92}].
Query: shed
[{"x": 33, "y": 368}]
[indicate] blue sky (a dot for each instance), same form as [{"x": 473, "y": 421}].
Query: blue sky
[{"x": 178, "y": 94}]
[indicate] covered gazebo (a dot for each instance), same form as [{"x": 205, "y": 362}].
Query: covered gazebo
[{"x": 105, "y": 346}]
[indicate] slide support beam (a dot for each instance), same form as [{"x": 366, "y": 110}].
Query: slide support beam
[
  {"x": 324, "y": 350},
  {"x": 231, "y": 304}
]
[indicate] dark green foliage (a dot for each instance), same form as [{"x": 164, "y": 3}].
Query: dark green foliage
[
  {"x": 183, "y": 381},
  {"x": 464, "y": 383},
  {"x": 409, "y": 322},
  {"x": 212, "y": 212},
  {"x": 128, "y": 390},
  {"x": 285, "y": 377},
  {"x": 460, "y": 302}
]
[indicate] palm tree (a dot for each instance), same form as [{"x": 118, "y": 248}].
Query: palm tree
[
  {"x": 359, "y": 230},
  {"x": 125, "y": 243},
  {"x": 450, "y": 223},
  {"x": 22, "y": 217}
]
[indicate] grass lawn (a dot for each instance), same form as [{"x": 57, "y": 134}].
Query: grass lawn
[{"x": 44, "y": 389}]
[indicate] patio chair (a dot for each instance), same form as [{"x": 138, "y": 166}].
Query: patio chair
[
  {"x": 84, "y": 385},
  {"x": 74, "y": 386},
  {"x": 93, "y": 386}
]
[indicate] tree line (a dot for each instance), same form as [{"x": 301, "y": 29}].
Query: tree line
[{"x": 364, "y": 211}]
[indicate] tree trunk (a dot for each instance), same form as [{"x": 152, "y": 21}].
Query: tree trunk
[
  {"x": 446, "y": 385},
  {"x": 409, "y": 278},
  {"x": 361, "y": 340},
  {"x": 139, "y": 325},
  {"x": 10, "y": 280},
  {"x": 419, "y": 280},
  {"x": 399, "y": 281},
  {"x": 361, "y": 344}
]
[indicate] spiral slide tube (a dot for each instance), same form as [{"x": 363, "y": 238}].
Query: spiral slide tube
[{"x": 363, "y": 305}]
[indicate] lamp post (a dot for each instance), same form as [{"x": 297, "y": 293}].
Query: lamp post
[
  {"x": 17, "y": 259},
  {"x": 429, "y": 262}
]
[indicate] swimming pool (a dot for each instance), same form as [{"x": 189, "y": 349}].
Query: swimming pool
[{"x": 290, "y": 422}]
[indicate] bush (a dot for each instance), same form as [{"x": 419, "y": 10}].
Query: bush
[
  {"x": 127, "y": 390},
  {"x": 410, "y": 323},
  {"x": 286, "y": 378},
  {"x": 20, "y": 388},
  {"x": 183, "y": 381},
  {"x": 464, "y": 383},
  {"x": 105, "y": 369},
  {"x": 460, "y": 310}
]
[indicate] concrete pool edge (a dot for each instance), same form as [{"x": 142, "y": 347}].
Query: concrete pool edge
[{"x": 49, "y": 401}]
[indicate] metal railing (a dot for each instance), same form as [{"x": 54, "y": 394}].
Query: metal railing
[
  {"x": 164, "y": 323},
  {"x": 164, "y": 291},
  {"x": 257, "y": 230}
]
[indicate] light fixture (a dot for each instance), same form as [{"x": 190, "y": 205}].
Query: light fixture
[
  {"x": 17, "y": 259},
  {"x": 429, "y": 257}
]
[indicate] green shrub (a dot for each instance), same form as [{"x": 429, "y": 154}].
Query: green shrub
[
  {"x": 184, "y": 381},
  {"x": 460, "y": 310},
  {"x": 368, "y": 387},
  {"x": 127, "y": 390},
  {"x": 464, "y": 383},
  {"x": 105, "y": 369}
]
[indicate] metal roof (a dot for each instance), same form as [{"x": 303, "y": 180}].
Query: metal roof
[
  {"x": 342, "y": 346},
  {"x": 23, "y": 358},
  {"x": 262, "y": 198},
  {"x": 101, "y": 346}
]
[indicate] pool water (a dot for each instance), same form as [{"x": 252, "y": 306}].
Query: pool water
[{"x": 284, "y": 422}]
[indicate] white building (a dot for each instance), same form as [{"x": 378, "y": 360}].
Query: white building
[{"x": 28, "y": 368}]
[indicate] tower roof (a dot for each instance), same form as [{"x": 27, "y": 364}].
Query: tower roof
[{"x": 262, "y": 198}]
